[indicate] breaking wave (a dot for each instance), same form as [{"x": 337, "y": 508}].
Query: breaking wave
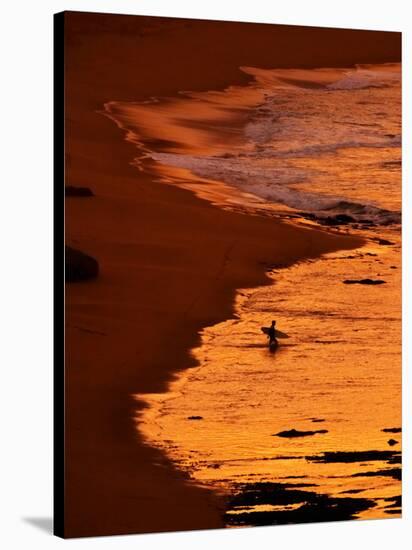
[{"x": 323, "y": 141}]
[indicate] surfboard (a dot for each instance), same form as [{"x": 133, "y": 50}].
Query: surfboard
[{"x": 278, "y": 333}]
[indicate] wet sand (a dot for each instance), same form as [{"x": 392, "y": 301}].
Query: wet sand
[{"x": 170, "y": 263}]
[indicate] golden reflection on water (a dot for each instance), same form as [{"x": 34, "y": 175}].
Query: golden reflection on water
[{"x": 338, "y": 370}]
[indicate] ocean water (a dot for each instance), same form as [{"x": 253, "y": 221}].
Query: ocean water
[{"x": 320, "y": 146}]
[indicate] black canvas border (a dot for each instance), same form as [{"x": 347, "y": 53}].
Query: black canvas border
[{"x": 58, "y": 268}]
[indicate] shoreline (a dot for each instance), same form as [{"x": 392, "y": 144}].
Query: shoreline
[
  {"x": 251, "y": 274},
  {"x": 170, "y": 265}
]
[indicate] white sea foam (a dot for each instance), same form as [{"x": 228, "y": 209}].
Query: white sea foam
[
  {"x": 323, "y": 141},
  {"x": 271, "y": 184},
  {"x": 366, "y": 76}
]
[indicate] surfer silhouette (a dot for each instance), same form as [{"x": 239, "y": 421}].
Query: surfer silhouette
[{"x": 271, "y": 333}]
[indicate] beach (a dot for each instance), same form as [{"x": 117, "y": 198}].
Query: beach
[{"x": 170, "y": 262}]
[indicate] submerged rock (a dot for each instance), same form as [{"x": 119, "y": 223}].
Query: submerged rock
[
  {"x": 79, "y": 266},
  {"x": 353, "y": 456},
  {"x": 195, "y": 417},
  {"x": 392, "y": 430},
  {"x": 339, "y": 219},
  {"x": 309, "y": 505},
  {"x": 394, "y": 473},
  {"x": 396, "y": 502},
  {"x": 72, "y": 191},
  {"x": 297, "y": 433},
  {"x": 364, "y": 282}
]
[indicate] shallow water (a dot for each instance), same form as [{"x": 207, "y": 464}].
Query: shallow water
[
  {"x": 337, "y": 370},
  {"x": 315, "y": 144}
]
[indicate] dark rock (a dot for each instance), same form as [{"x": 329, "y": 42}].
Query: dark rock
[
  {"x": 384, "y": 242},
  {"x": 392, "y": 442},
  {"x": 352, "y": 456},
  {"x": 318, "y": 420},
  {"x": 392, "y": 430},
  {"x": 307, "y": 215},
  {"x": 79, "y": 266},
  {"x": 339, "y": 219},
  {"x": 330, "y": 221},
  {"x": 364, "y": 282},
  {"x": 395, "y": 473},
  {"x": 297, "y": 433},
  {"x": 312, "y": 507},
  {"x": 195, "y": 417},
  {"x": 396, "y": 501},
  {"x": 267, "y": 492},
  {"x": 71, "y": 191},
  {"x": 344, "y": 218}
]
